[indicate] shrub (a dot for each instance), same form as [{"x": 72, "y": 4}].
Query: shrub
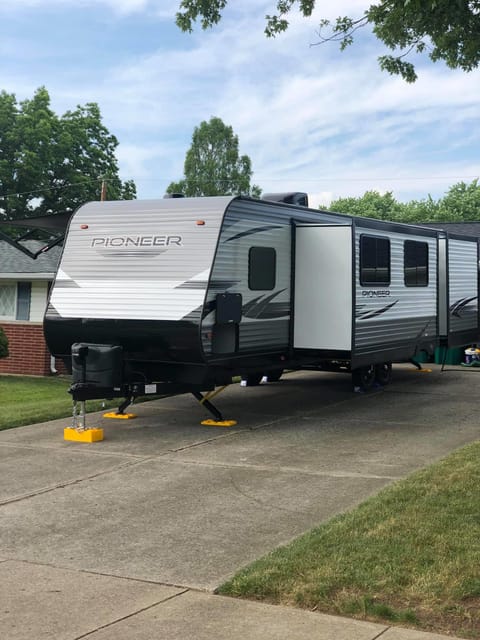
[{"x": 3, "y": 344}]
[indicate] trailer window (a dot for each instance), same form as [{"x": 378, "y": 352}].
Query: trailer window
[
  {"x": 262, "y": 265},
  {"x": 415, "y": 263},
  {"x": 374, "y": 260}
]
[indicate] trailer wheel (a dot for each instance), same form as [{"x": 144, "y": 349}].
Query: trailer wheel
[
  {"x": 383, "y": 373},
  {"x": 274, "y": 375},
  {"x": 364, "y": 377},
  {"x": 253, "y": 379}
]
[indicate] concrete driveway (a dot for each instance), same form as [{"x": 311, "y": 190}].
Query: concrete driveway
[{"x": 169, "y": 505}]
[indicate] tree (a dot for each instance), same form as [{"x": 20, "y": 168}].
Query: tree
[
  {"x": 426, "y": 210},
  {"x": 52, "y": 164},
  {"x": 212, "y": 164},
  {"x": 461, "y": 203},
  {"x": 447, "y": 30},
  {"x": 371, "y": 205}
]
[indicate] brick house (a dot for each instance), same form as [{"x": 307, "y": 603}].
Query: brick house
[{"x": 24, "y": 287}]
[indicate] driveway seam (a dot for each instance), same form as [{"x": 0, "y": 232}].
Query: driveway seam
[
  {"x": 69, "y": 483},
  {"x": 104, "y": 574},
  {"x": 79, "y": 451},
  {"x": 383, "y": 632},
  {"x": 130, "y": 615}
]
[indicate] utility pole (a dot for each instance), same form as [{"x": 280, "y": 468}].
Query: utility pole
[{"x": 103, "y": 191}]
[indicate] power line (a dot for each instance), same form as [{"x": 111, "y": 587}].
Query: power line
[
  {"x": 326, "y": 179},
  {"x": 57, "y": 188},
  {"x": 323, "y": 179}
]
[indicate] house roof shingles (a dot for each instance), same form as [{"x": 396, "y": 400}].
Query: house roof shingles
[
  {"x": 460, "y": 228},
  {"x": 14, "y": 261}
]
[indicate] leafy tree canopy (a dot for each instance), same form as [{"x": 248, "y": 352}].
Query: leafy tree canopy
[
  {"x": 51, "y": 164},
  {"x": 447, "y": 30},
  {"x": 213, "y": 165},
  {"x": 461, "y": 203},
  {"x": 371, "y": 205}
]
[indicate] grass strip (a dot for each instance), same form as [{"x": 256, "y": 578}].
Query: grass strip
[
  {"x": 408, "y": 556},
  {"x": 27, "y": 400}
]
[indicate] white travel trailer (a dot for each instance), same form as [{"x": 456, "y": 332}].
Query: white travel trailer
[{"x": 182, "y": 294}]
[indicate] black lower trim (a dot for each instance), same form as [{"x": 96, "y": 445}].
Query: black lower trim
[
  {"x": 322, "y": 354},
  {"x": 398, "y": 353},
  {"x": 462, "y": 338},
  {"x": 152, "y": 340}
]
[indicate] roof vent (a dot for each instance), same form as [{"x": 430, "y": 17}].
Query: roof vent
[
  {"x": 292, "y": 197},
  {"x": 174, "y": 195}
]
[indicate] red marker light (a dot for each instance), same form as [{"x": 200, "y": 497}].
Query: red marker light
[
  {"x": 84, "y": 226},
  {"x": 200, "y": 223}
]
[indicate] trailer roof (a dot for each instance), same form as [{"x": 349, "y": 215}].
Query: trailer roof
[{"x": 461, "y": 228}]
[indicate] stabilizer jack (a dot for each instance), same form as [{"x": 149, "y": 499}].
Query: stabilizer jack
[{"x": 204, "y": 400}]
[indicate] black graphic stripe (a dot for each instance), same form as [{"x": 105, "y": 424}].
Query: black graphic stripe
[
  {"x": 221, "y": 285},
  {"x": 253, "y": 231},
  {"x": 262, "y": 307},
  {"x": 457, "y": 307},
  {"x": 366, "y": 315}
]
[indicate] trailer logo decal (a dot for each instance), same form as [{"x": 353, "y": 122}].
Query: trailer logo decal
[
  {"x": 134, "y": 246},
  {"x": 379, "y": 293},
  {"x": 137, "y": 241}
]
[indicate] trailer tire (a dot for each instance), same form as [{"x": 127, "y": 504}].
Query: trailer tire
[
  {"x": 274, "y": 375},
  {"x": 383, "y": 373},
  {"x": 253, "y": 379},
  {"x": 364, "y": 377}
]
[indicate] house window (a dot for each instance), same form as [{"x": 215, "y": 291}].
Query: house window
[
  {"x": 15, "y": 301},
  {"x": 24, "y": 294},
  {"x": 415, "y": 263},
  {"x": 374, "y": 261},
  {"x": 262, "y": 265},
  {"x": 8, "y": 298}
]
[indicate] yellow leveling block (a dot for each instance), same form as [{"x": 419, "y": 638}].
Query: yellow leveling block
[
  {"x": 87, "y": 435},
  {"x": 219, "y": 423},
  {"x": 422, "y": 370},
  {"x": 119, "y": 416}
]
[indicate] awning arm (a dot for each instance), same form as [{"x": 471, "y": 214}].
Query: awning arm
[
  {"x": 17, "y": 245},
  {"x": 51, "y": 224}
]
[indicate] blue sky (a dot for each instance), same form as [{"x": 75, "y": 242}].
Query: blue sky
[{"x": 311, "y": 118}]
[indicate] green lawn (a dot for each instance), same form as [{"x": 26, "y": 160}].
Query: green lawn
[
  {"x": 408, "y": 556},
  {"x": 26, "y": 400}
]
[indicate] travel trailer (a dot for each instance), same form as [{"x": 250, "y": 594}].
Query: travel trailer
[{"x": 183, "y": 294}]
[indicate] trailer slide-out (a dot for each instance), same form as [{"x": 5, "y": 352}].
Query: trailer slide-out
[{"x": 182, "y": 294}]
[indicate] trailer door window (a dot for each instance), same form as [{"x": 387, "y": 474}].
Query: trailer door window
[
  {"x": 262, "y": 265},
  {"x": 415, "y": 263},
  {"x": 374, "y": 260}
]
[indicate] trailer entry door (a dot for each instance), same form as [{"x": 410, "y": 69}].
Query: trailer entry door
[{"x": 323, "y": 287}]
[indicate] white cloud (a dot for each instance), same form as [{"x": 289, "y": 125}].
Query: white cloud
[
  {"x": 120, "y": 6},
  {"x": 311, "y": 119}
]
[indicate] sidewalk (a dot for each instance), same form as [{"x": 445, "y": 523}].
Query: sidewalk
[{"x": 45, "y": 603}]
